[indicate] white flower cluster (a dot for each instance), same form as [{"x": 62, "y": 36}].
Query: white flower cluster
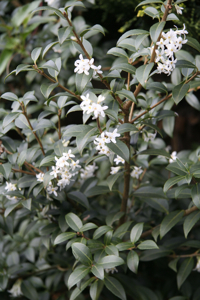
[
  {"x": 83, "y": 66},
  {"x": 10, "y": 187},
  {"x": 170, "y": 43},
  {"x": 117, "y": 160},
  {"x": 149, "y": 137},
  {"x": 136, "y": 172},
  {"x": 105, "y": 138},
  {"x": 88, "y": 171},
  {"x": 63, "y": 171},
  {"x": 178, "y": 9},
  {"x": 88, "y": 106}
]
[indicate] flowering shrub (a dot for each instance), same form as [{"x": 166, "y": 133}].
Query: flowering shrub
[{"x": 100, "y": 209}]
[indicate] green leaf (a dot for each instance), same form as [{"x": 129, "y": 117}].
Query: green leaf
[
  {"x": 48, "y": 161},
  {"x": 126, "y": 127},
  {"x": 44, "y": 124},
  {"x": 78, "y": 290},
  {"x": 150, "y": 192},
  {"x": 73, "y": 221},
  {"x": 142, "y": 73},
  {"x": 56, "y": 11},
  {"x": 75, "y": 130},
  {"x": 136, "y": 232},
  {"x": 98, "y": 271},
  {"x": 77, "y": 275},
  {"x": 149, "y": 255},
  {"x": 74, "y": 3},
  {"x": 97, "y": 190},
  {"x": 193, "y": 101},
  {"x": 185, "y": 64},
  {"x": 22, "y": 122},
  {"x": 111, "y": 218},
  {"x": 64, "y": 237},
  {"x": 35, "y": 54},
  {"x": 133, "y": 261},
  {"x": 127, "y": 94},
  {"x": 46, "y": 89},
  {"x": 5, "y": 170},
  {"x": 82, "y": 139},
  {"x": 59, "y": 148},
  {"x": 110, "y": 261},
  {"x": 80, "y": 198},
  {"x": 112, "y": 179},
  {"x": 115, "y": 287},
  {"x": 48, "y": 47},
  {"x": 122, "y": 230},
  {"x": 100, "y": 231},
  {"x": 120, "y": 149},
  {"x": 179, "y": 92},
  {"x": 173, "y": 264},
  {"x": 10, "y": 208},
  {"x": 23, "y": 12},
  {"x": 118, "y": 52},
  {"x": 124, "y": 246},
  {"x": 157, "y": 86},
  {"x": 27, "y": 203},
  {"x": 193, "y": 43},
  {"x": 29, "y": 290},
  {"x": 82, "y": 253},
  {"x": 21, "y": 158},
  {"x": 87, "y": 227},
  {"x": 155, "y": 30},
  {"x": 23, "y": 67},
  {"x": 172, "y": 181},
  {"x": 149, "y": 244},
  {"x": 139, "y": 40},
  {"x": 178, "y": 298},
  {"x": 128, "y": 44},
  {"x": 125, "y": 67},
  {"x": 149, "y": 2},
  {"x": 168, "y": 125},
  {"x": 82, "y": 80},
  {"x": 50, "y": 65},
  {"x": 10, "y": 96},
  {"x": 5, "y": 57},
  {"x": 132, "y": 32},
  {"x": 157, "y": 203},
  {"x": 111, "y": 249},
  {"x": 155, "y": 152},
  {"x": 170, "y": 221},
  {"x": 63, "y": 34},
  {"x": 184, "y": 271},
  {"x": 190, "y": 221},
  {"x": 153, "y": 126},
  {"x": 95, "y": 289},
  {"x": 195, "y": 193}
]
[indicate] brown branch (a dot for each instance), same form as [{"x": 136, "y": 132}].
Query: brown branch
[
  {"x": 59, "y": 125},
  {"x": 186, "y": 213},
  {"x": 33, "y": 167},
  {"x": 79, "y": 42},
  {"x": 126, "y": 178},
  {"x": 98, "y": 125},
  {"x": 164, "y": 99},
  {"x": 139, "y": 87},
  {"x": 185, "y": 255},
  {"x": 22, "y": 171},
  {"x": 38, "y": 140},
  {"x": 54, "y": 81}
]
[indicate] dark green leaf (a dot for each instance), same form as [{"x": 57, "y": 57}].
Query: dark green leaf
[
  {"x": 100, "y": 231},
  {"x": 63, "y": 34},
  {"x": 118, "y": 52},
  {"x": 132, "y": 32},
  {"x": 127, "y": 94},
  {"x": 155, "y": 30},
  {"x": 184, "y": 271},
  {"x": 35, "y": 54},
  {"x": 125, "y": 67},
  {"x": 46, "y": 89},
  {"x": 73, "y": 221},
  {"x": 170, "y": 221},
  {"x": 190, "y": 221},
  {"x": 185, "y": 64},
  {"x": 98, "y": 271},
  {"x": 112, "y": 179},
  {"x": 77, "y": 275},
  {"x": 142, "y": 73},
  {"x": 149, "y": 2},
  {"x": 136, "y": 232},
  {"x": 120, "y": 149},
  {"x": 172, "y": 181},
  {"x": 179, "y": 92},
  {"x": 195, "y": 193},
  {"x": 82, "y": 253},
  {"x": 133, "y": 261},
  {"x": 147, "y": 245},
  {"x": 115, "y": 287},
  {"x": 193, "y": 43},
  {"x": 80, "y": 198},
  {"x": 29, "y": 290}
]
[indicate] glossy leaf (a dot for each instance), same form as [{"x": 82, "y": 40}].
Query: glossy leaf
[
  {"x": 179, "y": 92},
  {"x": 170, "y": 221},
  {"x": 136, "y": 232},
  {"x": 142, "y": 73},
  {"x": 184, "y": 271},
  {"x": 73, "y": 221},
  {"x": 155, "y": 30},
  {"x": 82, "y": 253},
  {"x": 64, "y": 237},
  {"x": 77, "y": 275},
  {"x": 115, "y": 287},
  {"x": 120, "y": 149},
  {"x": 133, "y": 261}
]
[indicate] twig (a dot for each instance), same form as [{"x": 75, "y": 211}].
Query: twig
[
  {"x": 22, "y": 171},
  {"x": 98, "y": 125},
  {"x": 59, "y": 126}
]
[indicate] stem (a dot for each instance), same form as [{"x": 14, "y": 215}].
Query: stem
[
  {"x": 59, "y": 127},
  {"x": 54, "y": 81},
  {"x": 98, "y": 125},
  {"x": 186, "y": 213},
  {"x": 38, "y": 140},
  {"x": 164, "y": 99},
  {"x": 185, "y": 255},
  {"x": 88, "y": 57},
  {"x": 164, "y": 18},
  {"x": 33, "y": 167},
  {"x": 22, "y": 171},
  {"x": 126, "y": 178}
]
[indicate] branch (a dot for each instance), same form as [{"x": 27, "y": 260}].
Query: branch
[
  {"x": 22, "y": 171},
  {"x": 139, "y": 87},
  {"x": 164, "y": 99},
  {"x": 59, "y": 126}
]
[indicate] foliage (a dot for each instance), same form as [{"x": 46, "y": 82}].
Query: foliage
[{"x": 100, "y": 209}]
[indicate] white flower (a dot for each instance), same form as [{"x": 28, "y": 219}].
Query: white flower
[
  {"x": 136, "y": 172},
  {"x": 173, "y": 157},
  {"x": 74, "y": 165},
  {"x": 68, "y": 154},
  {"x": 112, "y": 135},
  {"x": 100, "y": 99},
  {"x": 51, "y": 189},
  {"x": 178, "y": 9},
  {"x": 88, "y": 171},
  {"x": 40, "y": 177},
  {"x": 118, "y": 160},
  {"x": 197, "y": 268},
  {"x": 114, "y": 170},
  {"x": 97, "y": 70},
  {"x": 149, "y": 137},
  {"x": 111, "y": 270},
  {"x": 16, "y": 289},
  {"x": 10, "y": 186},
  {"x": 54, "y": 172}
]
